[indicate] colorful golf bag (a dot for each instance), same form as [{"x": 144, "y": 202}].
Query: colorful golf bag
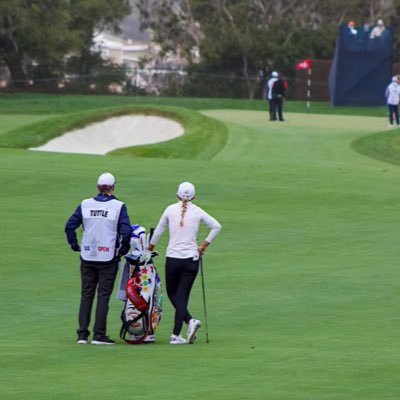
[{"x": 140, "y": 289}]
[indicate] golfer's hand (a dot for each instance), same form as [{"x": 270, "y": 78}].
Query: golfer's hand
[{"x": 203, "y": 247}]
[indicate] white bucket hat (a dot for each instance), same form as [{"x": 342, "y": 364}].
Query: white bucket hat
[
  {"x": 106, "y": 179},
  {"x": 186, "y": 191}
]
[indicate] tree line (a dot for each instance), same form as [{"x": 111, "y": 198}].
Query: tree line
[
  {"x": 36, "y": 36},
  {"x": 236, "y": 39}
]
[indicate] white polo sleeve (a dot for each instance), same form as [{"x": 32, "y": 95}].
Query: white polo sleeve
[
  {"x": 211, "y": 223},
  {"x": 161, "y": 226}
]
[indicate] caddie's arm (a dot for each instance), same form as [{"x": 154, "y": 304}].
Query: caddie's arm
[{"x": 73, "y": 223}]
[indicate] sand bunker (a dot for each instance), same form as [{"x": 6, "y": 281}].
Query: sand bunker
[{"x": 115, "y": 133}]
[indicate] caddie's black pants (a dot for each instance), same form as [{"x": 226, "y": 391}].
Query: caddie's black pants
[
  {"x": 180, "y": 274},
  {"x": 277, "y": 108},
  {"x": 100, "y": 276}
]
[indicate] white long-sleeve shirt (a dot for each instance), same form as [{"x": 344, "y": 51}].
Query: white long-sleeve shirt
[
  {"x": 393, "y": 94},
  {"x": 270, "y": 84},
  {"x": 183, "y": 239}
]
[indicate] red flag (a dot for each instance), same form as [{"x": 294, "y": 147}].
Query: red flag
[{"x": 304, "y": 64}]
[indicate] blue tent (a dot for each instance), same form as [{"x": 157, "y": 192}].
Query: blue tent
[{"x": 361, "y": 68}]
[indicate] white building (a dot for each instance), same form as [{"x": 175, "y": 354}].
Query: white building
[{"x": 121, "y": 51}]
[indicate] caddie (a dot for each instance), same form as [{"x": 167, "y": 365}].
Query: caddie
[{"x": 106, "y": 238}]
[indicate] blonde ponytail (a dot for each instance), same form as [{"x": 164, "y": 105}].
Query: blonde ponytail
[{"x": 183, "y": 211}]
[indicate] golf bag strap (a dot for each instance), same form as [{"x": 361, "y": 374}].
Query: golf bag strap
[
  {"x": 125, "y": 325},
  {"x": 135, "y": 298}
]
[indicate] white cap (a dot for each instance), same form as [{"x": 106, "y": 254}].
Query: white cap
[
  {"x": 106, "y": 179},
  {"x": 395, "y": 79},
  {"x": 274, "y": 74},
  {"x": 186, "y": 191}
]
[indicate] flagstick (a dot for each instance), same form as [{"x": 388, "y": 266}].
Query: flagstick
[{"x": 309, "y": 89}]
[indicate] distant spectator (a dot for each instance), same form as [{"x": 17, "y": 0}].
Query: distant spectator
[
  {"x": 393, "y": 98},
  {"x": 366, "y": 31},
  {"x": 270, "y": 84},
  {"x": 278, "y": 96},
  {"x": 352, "y": 30},
  {"x": 366, "y": 27},
  {"x": 378, "y": 29}
]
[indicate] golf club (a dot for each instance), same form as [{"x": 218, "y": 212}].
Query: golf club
[{"x": 204, "y": 296}]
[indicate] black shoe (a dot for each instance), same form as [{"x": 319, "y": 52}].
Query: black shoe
[
  {"x": 82, "y": 338},
  {"x": 102, "y": 340}
]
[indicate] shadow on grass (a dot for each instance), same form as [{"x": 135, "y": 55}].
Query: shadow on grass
[{"x": 383, "y": 146}]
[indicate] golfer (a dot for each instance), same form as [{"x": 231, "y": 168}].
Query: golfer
[
  {"x": 392, "y": 94},
  {"x": 106, "y": 237},
  {"x": 183, "y": 253}
]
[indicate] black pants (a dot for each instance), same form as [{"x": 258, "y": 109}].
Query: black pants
[
  {"x": 101, "y": 277},
  {"x": 393, "y": 111},
  {"x": 277, "y": 108},
  {"x": 180, "y": 274},
  {"x": 272, "y": 110}
]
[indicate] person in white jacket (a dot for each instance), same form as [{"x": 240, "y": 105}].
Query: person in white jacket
[
  {"x": 182, "y": 257},
  {"x": 269, "y": 86},
  {"x": 393, "y": 98}
]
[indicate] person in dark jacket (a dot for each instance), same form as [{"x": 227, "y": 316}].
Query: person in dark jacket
[
  {"x": 106, "y": 238},
  {"x": 278, "y": 97}
]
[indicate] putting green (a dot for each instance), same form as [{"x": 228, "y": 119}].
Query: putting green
[{"x": 302, "y": 284}]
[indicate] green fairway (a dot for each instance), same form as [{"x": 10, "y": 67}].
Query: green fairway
[
  {"x": 9, "y": 122},
  {"x": 302, "y": 283}
]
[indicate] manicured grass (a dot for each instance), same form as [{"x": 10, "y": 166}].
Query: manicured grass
[
  {"x": 46, "y": 104},
  {"x": 383, "y": 146},
  {"x": 203, "y": 138},
  {"x": 302, "y": 284},
  {"x": 11, "y": 122}
]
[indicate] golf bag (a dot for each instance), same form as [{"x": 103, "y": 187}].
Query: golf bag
[{"x": 140, "y": 289}]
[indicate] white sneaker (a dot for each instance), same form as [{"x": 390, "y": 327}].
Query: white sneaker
[
  {"x": 193, "y": 327},
  {"x": 150, "y": 339},
  {"x": 175, "y": 339}
]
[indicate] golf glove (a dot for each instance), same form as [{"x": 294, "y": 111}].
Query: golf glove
[{"x": 146, "y": 257}]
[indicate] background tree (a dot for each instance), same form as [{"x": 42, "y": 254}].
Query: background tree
[
  {"x": 34, "y": 31},
  {"x": 172, "y": 25},
  {"x": 238, "y": 37},
  {"x": 89, "y": 17},
  {"x": 44, "y": 33}
]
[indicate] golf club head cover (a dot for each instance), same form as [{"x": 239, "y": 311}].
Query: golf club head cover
[
  {"x": 134, "y": 297},
  {"x": 132, "y": 260}
]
